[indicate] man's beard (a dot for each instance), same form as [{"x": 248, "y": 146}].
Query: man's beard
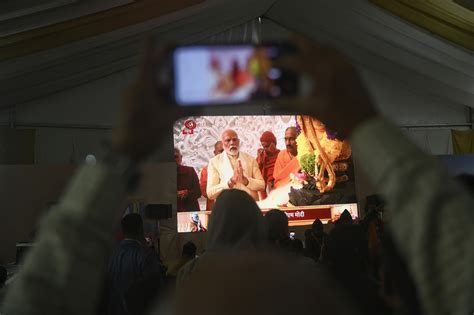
[
  {"x": 233, "y": 151},
  {"x": 291, "y": 149}
]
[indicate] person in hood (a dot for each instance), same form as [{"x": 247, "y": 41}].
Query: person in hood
[
  {"x": 345, "y": 218},
  {"x": 235, "y": 224}
]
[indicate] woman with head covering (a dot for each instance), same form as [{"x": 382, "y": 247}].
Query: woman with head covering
[
  {"x": 266, "y": 158},
  {"x": 315, "y": 239},
  {"x": 235, "y": 224},
  {"x": 276, "y": 229}
]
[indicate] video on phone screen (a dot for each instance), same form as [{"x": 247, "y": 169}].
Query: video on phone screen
[
  {"x": 228, "y": 74},
  {"x": 295, "y": 163}
]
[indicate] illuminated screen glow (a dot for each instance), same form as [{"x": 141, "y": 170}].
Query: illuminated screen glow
[
  {"x": 195, "y": 138},
  {"x": 227, "y": 74}
]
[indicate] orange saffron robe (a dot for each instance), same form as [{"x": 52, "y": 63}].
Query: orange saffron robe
[{"x": 285, "y": 165}]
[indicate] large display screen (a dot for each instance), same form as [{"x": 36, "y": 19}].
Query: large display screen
[{"x": 291, "y": 163}]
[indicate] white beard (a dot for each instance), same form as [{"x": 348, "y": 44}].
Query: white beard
[{"x": 234, "y": 152}]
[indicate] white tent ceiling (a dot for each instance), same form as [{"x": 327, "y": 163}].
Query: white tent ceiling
[
  {"x": 371, "y": 37},
  {"x": 71, "y": 94}
]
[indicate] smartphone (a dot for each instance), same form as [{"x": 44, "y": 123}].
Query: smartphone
[
  {"x": 229, "y": 74},
  {"x": 292, "y": 235}
]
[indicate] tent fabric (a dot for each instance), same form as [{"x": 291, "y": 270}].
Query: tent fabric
[
  {"x": 463, "y": 141},
  {"x": 248, "y": 32}
]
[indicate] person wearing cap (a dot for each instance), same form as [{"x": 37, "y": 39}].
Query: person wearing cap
[{"x": 266, "y": 159}]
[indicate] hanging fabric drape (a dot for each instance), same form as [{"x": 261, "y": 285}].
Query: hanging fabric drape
[{"x": 463, "y": 141}]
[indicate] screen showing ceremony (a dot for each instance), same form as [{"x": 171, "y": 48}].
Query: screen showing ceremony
[{"x": 291, "y": 163}]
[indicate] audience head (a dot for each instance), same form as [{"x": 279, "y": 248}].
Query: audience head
[
  {"x": 230, "y": 142},
  {"x": 290, "y": 140},
  {"x": 261, "y": 283},
  {"x": 189, "y": 250},
  {"x": 132, "y": 226},
  {"x": 345, "y": 218},
  {"x": 317, "y": 226},
  {"x": 276, "y": 227},
  {"x": 235, "y": 223},
  {"x": 218, "y": 148}
]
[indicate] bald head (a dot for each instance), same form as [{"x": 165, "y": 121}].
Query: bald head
[
  {"x": 230, "y": 142},
  {"x": 290, "y": 140},
  {"x": 291, "y": 129},
  {"x": 218, "y": 148}
]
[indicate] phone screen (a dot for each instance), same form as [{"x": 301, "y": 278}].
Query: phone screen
[{"x": 211, "y": 75}]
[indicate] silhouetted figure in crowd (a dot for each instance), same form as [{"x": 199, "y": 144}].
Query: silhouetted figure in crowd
[
  {"x": 132, "y": 265},
  {"x": 373, "y": 228},
  {"x": 143, "y": 293},
  {"x": 188, "y": 191},
  {"x": 315, "y": 238},
  {"x": 345, "y": 256},
  {"x": 235, "y": 224},
  {"x": 276, "y": 229},
  {"x": 263, "y": 282},
  {"x": 296, "y": 247},
  {"x": 345, "y": 218},
  {"x": 397, "y": 284},
  {"x": 188, "y": 254}
]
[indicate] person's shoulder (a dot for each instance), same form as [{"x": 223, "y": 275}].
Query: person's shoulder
[
  {"x": 149, "y": 253},
  {"x": 248, "y": 156},
  {"x": 215, "y": 159},
  {"x": 186, "y": 169},
  {"x": 186, "y": 270},
  {"x": 281, "y": 153},
  {"x": 245, "y": 155},
  {"x": 204, "y": 170}
]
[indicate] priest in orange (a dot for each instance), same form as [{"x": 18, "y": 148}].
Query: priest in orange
[
  {"x": 286, "y": 162},
  {"x": 266, "y": 159}
]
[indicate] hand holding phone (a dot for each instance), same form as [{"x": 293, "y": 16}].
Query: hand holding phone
[{"x": 229, "y": 74}]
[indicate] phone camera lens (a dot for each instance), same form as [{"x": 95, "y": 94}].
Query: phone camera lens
[{"x": 274, "y": 73}]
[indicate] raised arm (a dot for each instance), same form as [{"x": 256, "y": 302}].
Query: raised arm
[
  {"x": 64, "y": 272},
  {"x": 430, "y": 214}
]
